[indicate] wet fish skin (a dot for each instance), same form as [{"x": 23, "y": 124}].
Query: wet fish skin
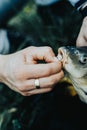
[{"x": 74, "y": 61}]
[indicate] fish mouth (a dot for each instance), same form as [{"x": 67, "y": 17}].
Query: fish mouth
[{"x": 63, "y": 55}]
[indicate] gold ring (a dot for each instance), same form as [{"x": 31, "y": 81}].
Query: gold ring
[{"x": 37, "y": 83}]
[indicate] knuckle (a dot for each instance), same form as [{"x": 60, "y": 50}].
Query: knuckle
[
  {"x": 32, "y": 47},
  {"x": 58, "y": 67},
  {"x": 50, "y": 89},
  {"x": 51, "y": 82},
  {"x": 56, "y": 79},
  {"x": 25, "y": 94},
  {"x": 62, "y": 74},
  {"x": 29, "y": 49},
  {"x": 48, "y": 49},
  {"x": 49, "y": 71},
  {"x": 21, "y": 88}
]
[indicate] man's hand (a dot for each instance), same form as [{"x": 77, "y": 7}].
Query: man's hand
[
  {"x": 82, "y": 37},
  {"x": 19, "y": 70}
]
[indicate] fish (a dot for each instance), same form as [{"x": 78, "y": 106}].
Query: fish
[{"x": 74, "y": 61}]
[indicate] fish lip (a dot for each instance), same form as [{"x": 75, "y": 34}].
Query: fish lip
[{"x": 63, "y": 55}]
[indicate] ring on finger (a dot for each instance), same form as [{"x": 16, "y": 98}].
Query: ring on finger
[{"x": 37, "y": 84}]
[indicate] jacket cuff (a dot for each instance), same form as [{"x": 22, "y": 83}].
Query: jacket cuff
[{"x": 81, "y": 6}]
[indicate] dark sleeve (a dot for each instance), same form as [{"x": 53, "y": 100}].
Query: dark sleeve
[
  {"x": 81, "y": 5},
  {"x": 9, "y": 8}
]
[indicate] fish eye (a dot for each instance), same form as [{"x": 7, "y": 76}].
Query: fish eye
[
  {"x": 83, "y": 60},
  {"x": 76, "y": 52}
]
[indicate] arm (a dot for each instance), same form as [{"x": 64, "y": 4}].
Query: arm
[
  {"x": 19, "y": 70},
  {"x": 81, "y": 6},
  {"x": 82, "y": 36}
]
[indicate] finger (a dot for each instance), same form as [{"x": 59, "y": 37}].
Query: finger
[
  {"x": 27, "y": 85},
  {"x": 46, "y": 82},
  {"x": 51, "y": 80},
  {"x": 45, "y": 87},
  {"x": 39, "y": 91},
  {"x": 42, "y": 53},
  {"x": 39, "y": 70},
  {"x": 30, "y": 60}
]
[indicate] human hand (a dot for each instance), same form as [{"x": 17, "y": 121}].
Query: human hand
[
  {"x": 19, "y": 70},
  {"x": 82, "y": 37}
]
